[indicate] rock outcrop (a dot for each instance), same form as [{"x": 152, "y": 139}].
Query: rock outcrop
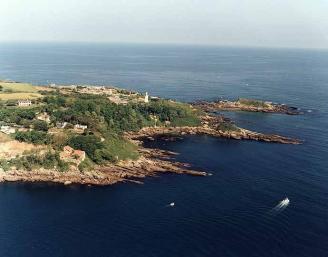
[
  {"x": 238, "y": 134},
  {"x": 248, "y": 105},
  {"x": 151, "y": 162}
]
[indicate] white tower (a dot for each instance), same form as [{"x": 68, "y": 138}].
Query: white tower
[{"x": 146, "y": 98}]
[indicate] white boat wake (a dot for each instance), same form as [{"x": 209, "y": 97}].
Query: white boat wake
[{"x": 282, "y": 205}]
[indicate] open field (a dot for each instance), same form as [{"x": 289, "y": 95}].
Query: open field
[
  {"x": 16, "y": 96},
  {"x": 18, "y": 87},
  {"x": 13, "y": 148},
  {"x": 15, "y": 91}
]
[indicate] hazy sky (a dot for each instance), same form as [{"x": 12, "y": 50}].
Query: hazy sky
[{"x": 281, "y": 23}]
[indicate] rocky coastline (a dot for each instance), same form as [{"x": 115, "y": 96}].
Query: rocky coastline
[
  {"x": 211, "y": 126},
  {"x": 155, "y": 161},
  {"x": 242, "y": 134},
  {"x": 247, "y": 105},
  {"x": 151, "y": 163}
]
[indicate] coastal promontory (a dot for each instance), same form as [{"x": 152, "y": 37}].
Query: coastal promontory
[
  {"x": 248, "y": 105},
  {"x": 89, "y": 134}
]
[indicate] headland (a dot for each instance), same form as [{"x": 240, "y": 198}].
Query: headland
[
  {"x": 247, "y": 105},
  {"x": 91, "y": 134}
]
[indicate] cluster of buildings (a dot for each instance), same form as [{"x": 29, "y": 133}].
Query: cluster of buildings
[
  {"x": 125, "y": 99},
  {"x": 114, "y": 95},
  {"x": 77, "y": 127},
  {"x": 97, "y": 90},
  {"x": 83, "y": 89}
]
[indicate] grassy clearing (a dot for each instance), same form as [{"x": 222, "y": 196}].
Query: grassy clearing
[
  {"x": 252, "y": 102},
  {"x": 15, "y": 91},
  {"x": 227, "y": 126},
  {"x": 17, "y": 87},
  {"x": 122, "y": 149},
  {"x": 16, "y": 96}
]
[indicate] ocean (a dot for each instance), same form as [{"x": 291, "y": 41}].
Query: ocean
[{"x": 231, "y": 213}]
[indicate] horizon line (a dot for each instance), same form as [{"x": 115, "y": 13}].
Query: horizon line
[{"x": 161, "y": 43}]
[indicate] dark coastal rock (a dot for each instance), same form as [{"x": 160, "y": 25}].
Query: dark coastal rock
[{"x": 215, "y": 126}]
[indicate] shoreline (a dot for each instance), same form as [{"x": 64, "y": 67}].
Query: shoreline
[
  {"x": 243, "y": 134},
  {"x": 211, "y": 126},
  {"x": 152, "y": 161},
  {"x": 149, "y": 162},
  {"x": 246, "y": 105}
]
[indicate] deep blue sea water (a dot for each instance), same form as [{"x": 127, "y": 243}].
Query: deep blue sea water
[{"x": 227, "y": 214}]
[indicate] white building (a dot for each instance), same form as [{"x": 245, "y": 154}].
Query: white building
[
  {"x": 24, "y": 103},
  {"x": 146, "y": 98},
  {"x": 61, "y": 124},
  {"x": 79, "y": 126}
]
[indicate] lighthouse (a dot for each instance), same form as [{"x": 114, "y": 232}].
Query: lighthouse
[{"x": 146, "y": 98}]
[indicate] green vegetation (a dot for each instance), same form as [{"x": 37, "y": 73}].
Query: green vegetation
[
  {"x": 17, "y": 115},
  {"x": 89, "y": 143},
  {"x": 17, "y": 87},
  {"x": 227, "y": 126},
  {"x": 95, "y": 111},
  {"x": 34, "y": 137},
  {"x": 86, "y": 165},
  {"x": 178, "y": 114},
  {"x": 34, "y": 161},
  {"x": 106, "y": 122},
  {"x": 252, "y": 102},
  {"x": 120, "y": 149},
  {"x": 13, "y": 91},
  {"x": 40, "y": 125},
  {"x": 16, "y": 96}
]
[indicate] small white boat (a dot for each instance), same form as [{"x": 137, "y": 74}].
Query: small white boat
[
  {"x": 285, "y": 202},
  {"x": 172, "y": 204}
]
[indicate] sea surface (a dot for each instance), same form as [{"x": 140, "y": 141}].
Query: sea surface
[{"x": 231, "y": 213}]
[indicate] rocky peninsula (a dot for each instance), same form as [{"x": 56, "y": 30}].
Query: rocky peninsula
[
  {"x": 248, "y": 105},
  {"x": 216, "y": 126},
  {"x": 94, "y": 135}
]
